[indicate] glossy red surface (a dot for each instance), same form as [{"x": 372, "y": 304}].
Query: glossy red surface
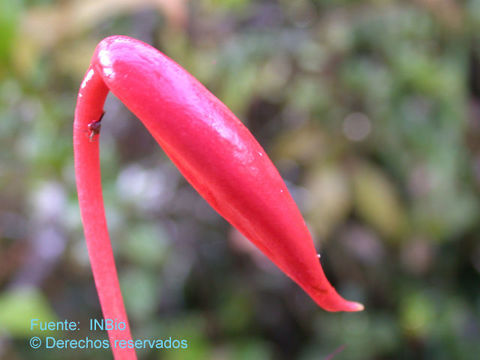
[{"x": 215, "y": 152}]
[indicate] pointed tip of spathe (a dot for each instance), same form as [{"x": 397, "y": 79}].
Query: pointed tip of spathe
[
  {"x": 335, "y": 303},
  {"x": 356, "y": 306},
  {"x": 351, "y": 306}
]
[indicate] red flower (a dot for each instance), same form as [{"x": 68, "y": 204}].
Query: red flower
[{"x": 213, "y": 150}]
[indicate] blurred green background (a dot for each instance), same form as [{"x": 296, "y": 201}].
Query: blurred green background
[{"x": 370, "y": 110}]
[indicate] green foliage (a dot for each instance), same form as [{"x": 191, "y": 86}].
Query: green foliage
[
  {"x": 9, "y": 15},
  {"x": 17, "y": 309}
]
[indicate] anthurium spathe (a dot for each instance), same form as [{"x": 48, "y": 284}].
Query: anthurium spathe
[{"x": 213, "y": 150}]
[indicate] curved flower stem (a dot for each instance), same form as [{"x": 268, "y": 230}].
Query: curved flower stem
[{"x": 90, "y": 102}]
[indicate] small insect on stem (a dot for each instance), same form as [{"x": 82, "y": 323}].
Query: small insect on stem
[{"x": 94, "y": 127}]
